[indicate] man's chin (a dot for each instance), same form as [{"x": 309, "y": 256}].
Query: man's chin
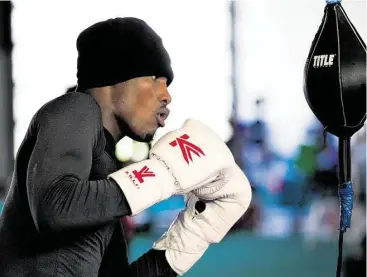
[
  {"x": 137, "y": 135},
  {"x": 146, "y": 137}
]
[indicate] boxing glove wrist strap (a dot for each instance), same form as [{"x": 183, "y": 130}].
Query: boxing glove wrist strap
[{"x": 144, "y": 184}]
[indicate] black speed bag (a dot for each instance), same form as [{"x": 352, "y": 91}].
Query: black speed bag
[{"x": 335, "y": 74}]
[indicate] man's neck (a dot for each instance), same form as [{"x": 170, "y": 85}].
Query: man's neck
[
  {"x": 101, "y": 95},
  {"x": 109, "y": 122}
]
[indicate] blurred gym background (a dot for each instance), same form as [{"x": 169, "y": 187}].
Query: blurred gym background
[{"x": 239, "y": 68}]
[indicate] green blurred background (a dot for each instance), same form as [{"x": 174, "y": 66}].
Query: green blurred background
[{"x": 244, "y": 254}]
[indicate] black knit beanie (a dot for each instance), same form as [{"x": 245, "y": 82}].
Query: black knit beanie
[{"x": 119, "y": 49}]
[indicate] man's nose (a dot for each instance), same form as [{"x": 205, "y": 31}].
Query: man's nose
[{"x": 165, "y": 97}]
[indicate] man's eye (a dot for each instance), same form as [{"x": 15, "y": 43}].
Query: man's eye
[{"x": 160, "y": 78}]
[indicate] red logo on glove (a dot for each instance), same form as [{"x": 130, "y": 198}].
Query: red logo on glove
[
  {"x": 187, "y": 148},
  {"x": 141, "y": 174}
]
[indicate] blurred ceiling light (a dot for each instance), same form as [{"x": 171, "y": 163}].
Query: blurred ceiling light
[
  {"x": 131, "y": 150},
  {"x": 125, "y": 149},
  {"x": 140, "y": 151}
]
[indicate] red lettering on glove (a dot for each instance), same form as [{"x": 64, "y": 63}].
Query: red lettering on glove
[
  {"x": 187, "y": 148},
  {"x": 142, "y": 173}
]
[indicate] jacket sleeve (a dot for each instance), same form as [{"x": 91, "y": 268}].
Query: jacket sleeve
[
  {"x": 59, "y": 193},
  {"x": 151, "y": 264}
]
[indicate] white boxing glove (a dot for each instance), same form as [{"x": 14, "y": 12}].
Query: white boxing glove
[
  {"x": 224, "y": 188},
  {"x": 204, "y": 222},
  {"x": 182, "y": 160}
]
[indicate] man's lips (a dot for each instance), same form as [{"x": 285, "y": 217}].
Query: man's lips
[{"x": 162, "y": 116}]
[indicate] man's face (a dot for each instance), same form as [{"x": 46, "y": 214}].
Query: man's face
[{"x": 140, "y": 106}]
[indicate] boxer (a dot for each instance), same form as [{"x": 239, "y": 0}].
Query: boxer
[{"x": 62, "y": 215}]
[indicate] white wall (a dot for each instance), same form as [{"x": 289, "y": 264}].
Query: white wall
[
  {"x": 45, "y": 54},
  {"x": 275, "y": 37}
]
